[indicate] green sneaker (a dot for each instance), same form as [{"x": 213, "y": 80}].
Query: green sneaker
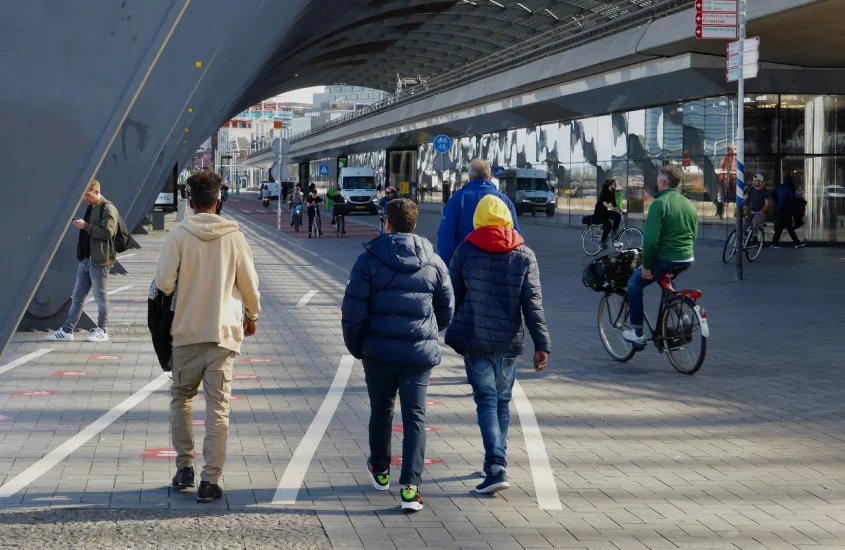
[
  {"x": 411, "y": 500},
  {"x": 380, "y": 481}
]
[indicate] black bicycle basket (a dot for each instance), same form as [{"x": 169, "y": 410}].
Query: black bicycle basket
[{"x": 611, "y": 273}]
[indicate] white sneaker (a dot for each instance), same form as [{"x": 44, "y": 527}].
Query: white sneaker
[
  {"x": 99, "y": 335},
  {"x": 631, "y": 337},
  {"x": 60, "y": 336}
]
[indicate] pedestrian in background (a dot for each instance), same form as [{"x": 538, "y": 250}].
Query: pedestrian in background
[
  {"x": 496, "y": 282},
  {"x": 458, "y": 214},
  {"x": 787, "y": 203},
  {"x": 217, "y": 307},
  {"x": 397, "y": 300},
  {"x": 97, "y": 254}
]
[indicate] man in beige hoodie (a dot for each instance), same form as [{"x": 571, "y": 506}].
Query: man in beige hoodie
[{"x": 217, "y": 304}]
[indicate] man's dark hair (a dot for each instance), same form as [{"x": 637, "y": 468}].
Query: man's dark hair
[
  {"x": 205, "y": 189},
  {"x": 402, "y": 215},
  {"x": 672, "y": 174}
]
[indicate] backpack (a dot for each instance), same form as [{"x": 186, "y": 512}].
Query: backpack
[
  {"x": 611, "y": 273},
  {"x": 121, "y": 236}
]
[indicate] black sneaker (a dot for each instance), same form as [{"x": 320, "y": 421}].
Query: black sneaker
[
  {"x": 184, "y": 478},
  {"x": 380, "y": 481},
  {"x": 411, "y": 500},
  {"x": 493, "y": 483},
  {"x": 209, "y": 492}
]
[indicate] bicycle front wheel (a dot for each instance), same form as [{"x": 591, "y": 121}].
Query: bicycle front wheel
[
  {"x": 591, "y": 240},
  {"x": 297, "y": 221},
  {"x": 683, "y": 340},
  {"x": 631, "y": 238},
  {"x": 613, "y": 319},
  {"x": 753, "y": 252},
  {"x": 730, "y": 247}
]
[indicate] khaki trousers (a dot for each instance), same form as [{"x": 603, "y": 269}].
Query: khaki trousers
[{"x": 212, "y": 365}]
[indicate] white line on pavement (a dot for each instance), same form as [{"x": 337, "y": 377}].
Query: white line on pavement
[
  {"x": 298, "y": 465},
  {"x": 25, "y": 359},
  {"x": 124, "y": 256},
  {"x": 541, "y": 470},
  {"x": 62, "y": 451},
  {"x": 305, "y": 299},
  {"x": 110, "y": 292}
]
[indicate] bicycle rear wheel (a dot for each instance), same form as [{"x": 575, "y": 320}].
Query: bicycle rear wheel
[
  {"x": 752, "y": 253},
  {"x": 631, "y": 238},
  {"x": 338, "y": 224},
  {"x": 683, "y": 340},
  {"x": 730, "y": 247},
  {"x": 613, "y": 319},
  {"x": 297, "y": 221},
  {"x": 591, "y": 240}
]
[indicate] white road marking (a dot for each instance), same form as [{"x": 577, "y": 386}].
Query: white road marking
[
  {"x": 298, "y": 465},
  {"x": 305, "y": 299},
  {"x": 62, "y": 451},
  {"x": 541, "y": 470},
  {"x": 124, "y": 256},
  {"x": 25, "y": 359},
  {"x": 110, "y": 292}
]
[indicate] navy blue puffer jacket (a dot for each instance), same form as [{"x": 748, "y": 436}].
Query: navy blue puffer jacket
[
  {"x": 497, "y": 283},
  {"x": 397, "y": 300}
]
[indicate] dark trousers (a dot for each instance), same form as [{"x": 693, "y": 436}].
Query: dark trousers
[
  {"x": 313, "y": 214},
  {"x": 383, "y": 381},
  {"x": 610, "y": 220},
  {"x": 784, "y": 221}
]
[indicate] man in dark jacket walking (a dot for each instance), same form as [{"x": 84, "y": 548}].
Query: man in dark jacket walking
[
  {"x": 397, "y": 300},
  {"x": 787, "y": 202},
  {"x": 457, "y": 216},
  {"x": 497, "y": 283}
]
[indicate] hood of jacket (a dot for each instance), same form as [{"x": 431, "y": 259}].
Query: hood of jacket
[
  {"x": 209, "y": 226},
  {"x": 492, "y": 211},
  {"x": 404, "y": 252},
  {"x": 496, "y": 239}
]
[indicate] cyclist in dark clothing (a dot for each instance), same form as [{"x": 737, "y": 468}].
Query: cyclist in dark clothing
[
  {"x": 338, "y": 206},
  {"x": 607, "y": 211},
  {"x": 313, "y": 203}
]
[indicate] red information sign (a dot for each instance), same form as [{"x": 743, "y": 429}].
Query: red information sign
[
  {"x": 33, "y": 393},
  {"x": 397, "y": 461},
  {"x": 245, "y": 377},
  {"x": 70, "y": 373},
  {"x": 103, "y": 357},
  {"x": 397, "y": 428},
  {"x": 165, "y": 453}
]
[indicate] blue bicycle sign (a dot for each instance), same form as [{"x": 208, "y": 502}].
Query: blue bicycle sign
[{"x": 442, "y": 143}]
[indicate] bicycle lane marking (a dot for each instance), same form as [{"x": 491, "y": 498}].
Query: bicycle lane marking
[
  {"x": 306, "y": 298},
  {"x": 295, "y": 472},
  {"x": 22, "y": 360},
  {"x": 65, "y": 449},
  {"x": 538, "y": 458}
]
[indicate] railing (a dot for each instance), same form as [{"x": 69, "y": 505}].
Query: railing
[{"x": 569, "y": 35}]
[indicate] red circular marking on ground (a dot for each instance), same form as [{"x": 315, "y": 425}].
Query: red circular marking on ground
[
  {"x": 427, "y": 402},
  {"x": 4, "y": 418},
  {"x": 119, "y": 308},
  {"x": 336, "y": 313},
  {"x": 198, "y": 421},
  {"x": 397, "y": 428},
  {"x": 33, "y": 393},
  {"x": 105, "y": 357},
  {"x": 164, "y": 453},
  {"x": 245, "y": 377},
  {"x": 397, "y": 461},
  {"x": 251, "y": 360},
  {"x": 70, "y": 373}
]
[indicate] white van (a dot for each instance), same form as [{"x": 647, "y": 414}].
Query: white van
[
  {"x": 359, "y": 187},
  {"x": 529, "y": 190},
  {"x": 275, "y": 190}
]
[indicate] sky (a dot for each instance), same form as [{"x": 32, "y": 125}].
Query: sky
[{"x": 303, "y": 95}]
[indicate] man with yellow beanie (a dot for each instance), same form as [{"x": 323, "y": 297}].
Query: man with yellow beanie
[{"x": 497, "y": 284}]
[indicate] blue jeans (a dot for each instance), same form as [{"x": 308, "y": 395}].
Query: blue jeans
[
  {"x": 492, "y": 378},
  {"x": 89, "y": 277},
  {"x": 383, "y": 381},
  {"x": 636, "y": 284}
]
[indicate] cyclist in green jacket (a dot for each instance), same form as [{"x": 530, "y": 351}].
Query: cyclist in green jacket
[{"x": 670, "y": 231}]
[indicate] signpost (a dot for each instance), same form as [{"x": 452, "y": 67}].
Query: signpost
[
  {"x": 280, "y": 174},
  {"x": 726, "y": 19},
  {"x": 323, "y": 170},
  {"x": 443, "y": 144}
]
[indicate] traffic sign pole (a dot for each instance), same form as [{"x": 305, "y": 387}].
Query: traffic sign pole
[{"x": 740, "y": 144}]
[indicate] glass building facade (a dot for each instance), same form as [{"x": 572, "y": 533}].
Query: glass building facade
[{"x": 802, "y": 136}]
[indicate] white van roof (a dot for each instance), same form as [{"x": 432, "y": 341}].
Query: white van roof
[{"x": 356, "y": 172}]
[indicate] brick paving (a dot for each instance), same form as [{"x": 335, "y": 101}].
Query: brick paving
[{"x": 746, "y": 454}]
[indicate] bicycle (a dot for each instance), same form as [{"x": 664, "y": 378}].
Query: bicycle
[
  {"x": 630, "y": 237},
  {"x": 381, "y": 216},
  {"x": 752, "y": 252},
  {"x": 316, "y": 227},
  {"x": 340, "y": 225},
  {"x": 680, "y": 323},
  {"x": 297, "y": 219}
]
